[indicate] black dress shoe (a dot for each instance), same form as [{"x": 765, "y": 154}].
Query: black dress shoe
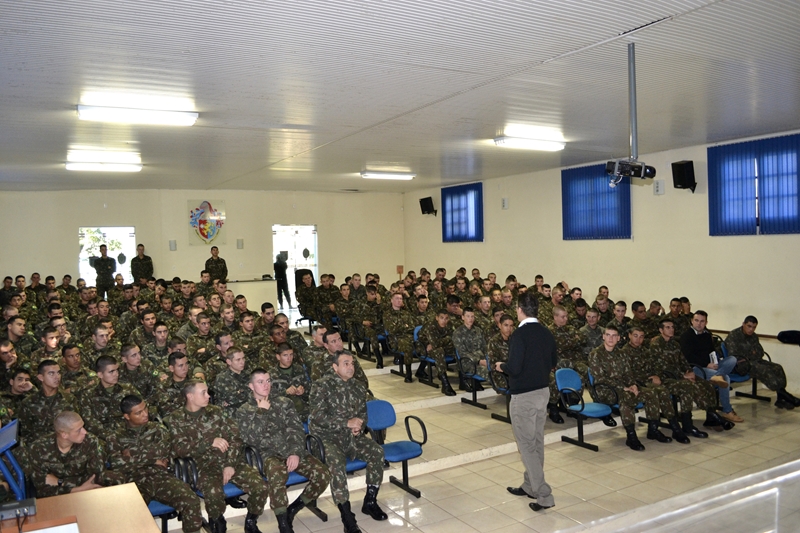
[
  {"x": 536, "y": 507},
  {"x": 517, "y": 491},
  {"x": 555, "y": 416}
]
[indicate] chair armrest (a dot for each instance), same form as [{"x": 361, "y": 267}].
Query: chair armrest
[
  {"x": 421, "y": 425},
  {"x": 178, "y": 468},
  {"x": 609, "y": 387},
  {"x": 190, "y": 472},
  {"x": 566, "y": 393},
  {"x": 253, "y": 458},
  {"x": 768, "y": 357},
  {"x": 315, "y": 447}
]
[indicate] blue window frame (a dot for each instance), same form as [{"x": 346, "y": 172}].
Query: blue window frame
[
  {"x": 753, "y": 187},
  {"x": 590, "y": 209},
  {"x": 462, "y": 213}
]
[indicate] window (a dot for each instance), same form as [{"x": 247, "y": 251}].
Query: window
[
  {"x": 590, "y": 209},
  {"x": 462, "y": 213},
  {"x": 753, "y": 187}
]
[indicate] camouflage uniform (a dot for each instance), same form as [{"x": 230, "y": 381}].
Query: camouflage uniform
[
  {"x": 141, "y": 338},
  {"x": 307, "y": 300},
  {"x": 37, "y": 413},
  {"x": 316, "y": 359},
  {"x": 545, "y": 315},
  {"x": 215, "y": 366},
  {"x": 74, "y": 468},
  {"x": 77, "y": 380},
  {"x": 133, "y": 453},
  {"x": 497, "y": 351},
  {"x": 141, "y": 267},
  {"x": 669, "y": 364},
  {"x": 681, "y": 323},
  {"x": 344, "y": 310},
  {"x": 333, "y": 402},
  {"x": 605, "y": 316},
  {"x": 623, "y": 330},
  {"x": 326, "y": 369},
  {"x": 570, "y": 350},
  {"x": 145, "y": 378},
  {"x": 363, "y": 311},
  {"x": 294, "y": 376},
  {"x": 649, "y": 326},
  {"x": 277, "y": 433},
  {"x": 197, "y": 342},
  {"x": 471, "y": 346},
  {"x": 13, "y": 402},
  {"x": 26, "y": 345},
  {"x": 99, "y": 408},
  {"x": 40, "y": 355},
  {"x": 400, "y": 325},
  {"x": 158, "y": 356},
  {"x": 217, "y": 268},
  {"x": 193, "y": 435},
  {"x": 250, "y": 343},
  {"x": 105, "y": 268},
  {"x": 297, "y": 342},
  {"x": 441, "y": 341},
  {"x": 749, "y": 348},
  {"x": 612, "y": 373},
  {"x": 171, "y": 396},
  {"x": 231, "y": 390},
  {"x": 185, "y": 331},
  {"x": 592, "y": 338}
]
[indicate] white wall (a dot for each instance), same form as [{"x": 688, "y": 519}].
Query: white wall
[
  {"x": 671, "y": 253},
  {"x": 355, "y": 231}
]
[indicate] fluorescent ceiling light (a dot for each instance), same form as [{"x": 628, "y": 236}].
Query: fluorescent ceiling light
[
  {"x": 104, "y": 161},
  {"x": 527, "y": 131},
  {"x": 373, "y": 175},
  {"x": 136, "y": 116},
  {"x": 529, "y": 144}
]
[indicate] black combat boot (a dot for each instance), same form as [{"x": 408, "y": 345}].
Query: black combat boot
[
  {"x": 447, "y": 390},
  {"x": 408, "y": 378},
  {"x": 555, "y": 416},
  {"x": 294, "y": 508},
  {"x": 632, "y": 441},
  {"x": 784, "y": 400},
  {"x": 716, "y": 422},
  {"x": 609, "y": 421},
  {"x": 218, "y": 525},
  {"x": 420, "y": 373},
  {"x": 348, "y": 518},
  {"x": 376, "y": 351},
  {"x": 688, "y": 427},
  {"x": 284, "y": 525},
  {"x": 250, "y": 523},
  {"x": 371, "y": 506},
  {"x": 653, "y": 433},
  {"x": 677, "y": 432}
]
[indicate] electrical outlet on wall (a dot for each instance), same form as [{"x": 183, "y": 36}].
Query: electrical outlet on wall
[{"x": 658, "y": 187}]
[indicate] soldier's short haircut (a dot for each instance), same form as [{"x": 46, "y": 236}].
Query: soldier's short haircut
[
  {"x": 68, "y": 347},
  {"x": 239, "y": 297},
  {"x": 145, "y": 313},
  {"x": 174, "y": 342},
  {"x": 558, "y": 309},
  {"x": 65, "y": 421},
  {"x": 441, "y": 312},
  {"x": 318, "y": 327},
  {"x": 701, "y": 313},
  {"x": 453, "y": 299},
  {"x": 506, "y": 317},
  {"x": 655, "y": 303},
  {"x": 281, "y": 315},
  {"x": 126, "y": 349},
  {"x": 580, "y": 302},
  {"x": 106, "y": 320},
  {"x": 545, "y": 285},
  {"x": 44, "y": 364},
  {"x": 8, "y": 308},
  {"x": 224, "y": 307},
  {"x": 496, "y": 310},
  {"x": 173, "y": 358},
  {"x": 468, "y": 309},
  {"x": 218, "y": 337},
  {"x": 511, "y": 277},
  {"x": 233, "y": 350},
  {"x": 55, "y": 306},
  {"x": 343, "y": 285},
  {"x": 676, "y": 300},
  {"x": 202, "y": 316},
  {"x": 176, "y": 304},
  {"x": 19, "y": 276},
  {"x": 557, "y": 290},
  {"x": 49, "y": 329},
  {"x": 166, "y": 298},
  {"x": 257, "y": 372},
  {"x": 129, "y": 402},
  {"x": 266, "y": 305},
  {"x": 15, "y": 318},
  {"x": 204, "y": 271},
  {"x": 573, "y": 290},
  {"x": 665, "y": 320},
  {"x": 593, "y": 310},
  {"x": 528, "y": 304},
  {"x": 422, "y": 297},
  {"x": 332, "y": 331},
  {"x": 49, "y": 278},
  {"x": 282, "y": 347},
  {"x": 685, "y": 300},
  {"x": 98, "y": 328},
  {"x": 17, "y": 370},
  {"x": 635, "y": 328},
  {"x": 67, "y": 276},
  {"x": 612, "y": 327},
  {"x": 127, "y": 287},
  {"x": 160, "y": 323},
  {"x": 162, "y": 283},
  {"x": 275, "y": 327},
  {"x": 371, "y": 289},
  {"x": 103, "y": 362},
  {"x": 245, "y": 315},
  {"x": 621, "y": 303},
  {"x": 189, "y": 386},
  {"x": 600, "y": 298},
  {"x": 338, "y": 355},
  {"x": 750, "y": 319},
  {"x": 635, "y": 306}
]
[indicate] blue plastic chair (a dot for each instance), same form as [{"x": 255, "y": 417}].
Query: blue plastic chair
[
  {"x": 428, "y": 379},
  {"x": 501, "y": 390},
  {"x": 738, "y": 378},
  {"x": 380, "y": 416},
  {"x": 570, "y": 388}
]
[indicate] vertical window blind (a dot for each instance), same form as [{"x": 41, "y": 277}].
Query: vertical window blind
[
  {"x": 462, "y": 213},
  {"x": 590, "y": 209}
]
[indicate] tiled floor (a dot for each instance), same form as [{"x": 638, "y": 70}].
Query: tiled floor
[{"x": 470, "y": 459}]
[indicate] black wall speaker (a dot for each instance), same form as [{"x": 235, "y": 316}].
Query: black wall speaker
[
  {"x": 426, "y": 206},
  {"x": 683, "y": 175}
]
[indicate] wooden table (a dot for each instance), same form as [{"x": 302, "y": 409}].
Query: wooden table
[{"x": 118, "y": 509}]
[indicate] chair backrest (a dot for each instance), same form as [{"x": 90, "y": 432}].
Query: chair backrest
[
  {"x": 380, "y": 415},
  {"x": 567, "y": 378},
  {"x": 724, "y": 349},
  {"x": 416, "y": 333},
  {"x": 590, "y": 376}
]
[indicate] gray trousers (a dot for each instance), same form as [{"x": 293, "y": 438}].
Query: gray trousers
[{"x": 528, "y": 412}]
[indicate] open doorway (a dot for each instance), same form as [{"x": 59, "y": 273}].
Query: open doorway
[
  {"x": 298, "y": 244},
  {"x": 121, "y": 243}
]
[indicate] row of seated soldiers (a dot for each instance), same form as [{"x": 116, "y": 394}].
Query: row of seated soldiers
[{"x": 111, "y": 434}]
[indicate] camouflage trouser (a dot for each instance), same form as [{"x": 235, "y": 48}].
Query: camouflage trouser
[
  {"x": 309, "y": 467},
  {"x": 209, "y": 482},
  {"x": 326, "y": 317},
  {"x": 361, "y": 447},
  {"x": 405, "y": 345},
  {"x": 700, "y": 392},
  {"x": 655, "y": 398},
  {"x": 471, "y": 364},
  {"x": 438, "y": 355},
  {"x": 371, "y": 336},
  {"x": 171, "y": 491},
  {"x": 770, "y": 374}
]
